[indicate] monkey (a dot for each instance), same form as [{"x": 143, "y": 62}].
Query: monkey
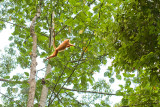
[{"x": 65, "y": 44}]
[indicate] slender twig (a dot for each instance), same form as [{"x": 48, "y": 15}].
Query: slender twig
[
  {"x": 71, "y": 73},
  {"x": 18, "y": 82},
  {"x": 41, "y": 69},
  {"x": 57, "y": 82},
  {"x": 23, "y": 27},
  {"x": 11, "y": 99},
  {"x": 4, "y": 80},
  {"x": 94, "y": 92},
  {"x": 76, "y": 100},
  {"x": 91, "y": 2},
  {"x": 14, "y": 24},
  {"x": 58, "y": 98}
]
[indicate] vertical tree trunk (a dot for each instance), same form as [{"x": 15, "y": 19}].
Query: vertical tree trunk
[
  {"x": 44, "y": 92},
  {"x": 32, "y": 81}
]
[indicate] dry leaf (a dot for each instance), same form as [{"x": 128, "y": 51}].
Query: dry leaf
[
  {"x": 10, "y": 18},
  {"x": 69, "y": 29},
  {"x": 81, "y": 31},
  {"x": 85, "y": 49}
]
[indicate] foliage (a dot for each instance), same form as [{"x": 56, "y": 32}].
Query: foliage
[
  {"x": 7, "y": 62},
  {"x": 135, "y": 45},
  {"x": 126, "y": 31},
  {"x": 73, "y": 20}
]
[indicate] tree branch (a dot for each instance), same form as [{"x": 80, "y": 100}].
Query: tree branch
[
  {"x": 11, "y": 99},
  {"x": 23, "y": 27},
  {"x": 5, "y": 80},
  {"x": 18, "y": 82},
  {"x": 56, "y": 85},
  {"x": 71, "y": 73},
  {"x": 76, "y": 100},
  {"x": 13, "y": 23},
  {"x": 32, "y": 81},
  {"x": 45, "y": 88},
  {"x": 41, "y": 69},
  {"x": 93, "y": 92},
  {"x": 91, "y": 3},
  {"x": 64, "y": 88},
  {"x": 73, "y": 19}
]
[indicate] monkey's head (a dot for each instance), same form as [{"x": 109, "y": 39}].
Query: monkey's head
[{"x": 67, "y": 40}]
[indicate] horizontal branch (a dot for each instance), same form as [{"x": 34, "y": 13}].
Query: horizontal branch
[
  {"x": 41, "y": 69},
  {"x": 19, "y": 82},
  {"x": 93, "y": 92},
  {"x": 11, "y": 99},
  {"x": 43, "y": 34},
  {"x": 13, "y": 23},
  {"x": 4, "y": 80},
  {"x": 91, "y": 3},
  {"x": 76, "y": 100},
  {"x": 143, "y": 104}
]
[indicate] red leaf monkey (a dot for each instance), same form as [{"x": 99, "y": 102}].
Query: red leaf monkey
[{"x": 65, "y": 44}]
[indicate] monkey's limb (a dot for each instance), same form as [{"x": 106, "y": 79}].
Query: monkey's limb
[
  {"x": 54, "y": 54},
  {"x": 65, "y": 44},
  {"x": 70, "y": 45}
]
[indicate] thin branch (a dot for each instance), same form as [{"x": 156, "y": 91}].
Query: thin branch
[
  {"x": 44, "y": 93},
  {"x": 64, "y": 88},
  {"x": 91, "y": 3},
  {"x": 41, "y": 69},
  {"x": 61, "y": 30},
  {"x": 58, "y": 98},
  {"x": 57, "y": 83},
  {"x": 93, "y": 92},
  {"x": 50, "y": 101},
  {"x": 11, "y": 99},
  {"x": 73, "y": 19},
  {"x": 72, "y": 72},
  {"x": 18, "y": 82},
  {"x": 77, "y": 60},
  {"x": 23, "y": 27},
  {"x": 144, "y": 104},
  {"x": 13, "y": 23},
  {"x": 5, "y": 80},
  {"x": 76, "y": 100}
]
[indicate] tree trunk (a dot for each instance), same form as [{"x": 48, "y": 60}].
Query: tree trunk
[
  {"x": 44, "y": 92},
  {"x": 32, "y": 81}
]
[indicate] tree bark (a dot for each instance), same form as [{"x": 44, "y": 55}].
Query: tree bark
[
  {"x": 32, "y": 81},
  {"x": 44, "y": 92}
]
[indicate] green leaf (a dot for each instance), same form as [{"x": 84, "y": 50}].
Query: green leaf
[
  {"x": 119, "y": 93},
  {"x": 43, "y": 54},
  {"x": 121, "y": 86},
  {"x": 111, "y": 80},
  {"x": 14, "y": 90},
  {"x": 69, "y": 22},
  {"x": 49, "y": 76},
  {"x": 118, "y": 76},
  {"x": 7, "y": 77},
  {"x": 125, "y": 101},
  {"x": 128, "y": 82},
  {"x": 107, "y": 74},
  {"x": 26, "y": 73}
]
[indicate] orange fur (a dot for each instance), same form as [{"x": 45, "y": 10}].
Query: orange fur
[{"x": 65, "y": 44}]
